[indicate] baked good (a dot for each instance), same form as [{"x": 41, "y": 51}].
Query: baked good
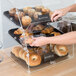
[
  {"x": 45, "y": 10},
  {"x": 36, "y": 14},
  {"x": 39, "y": 8},
  {"x": 47, "y": 30},
  {"x": 61, "y": 50},
  {"x": 21, "y": 14},
  {"x": 21, "y": 52},
  {"x": 26, "y": 20},
  {"x": 16, "y": 50},
  {"x": 26, "y": 9},
  {"x": 24, "y": 56},
  {"x": 38, "y": 27},
  {"x": 18, "y": 32},
  {"x": 31, "y": 12},
  {"x": 55, "y": 33},
  {"x": 34, "y": 59},
  {"x": 12, "y": 11},
  {"x": 42, "y": 50}
]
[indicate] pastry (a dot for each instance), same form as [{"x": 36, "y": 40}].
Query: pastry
[
  {"x": 18, "y": 32},
  {"x": 38, "y": 27},
  {"x": 12, "y": 11},
  {"x": 34, "y": 59},
  {"x": 16, "y": 50},
  {"x": 31, "y": 12},
  {"x": 47, "y": 30},
  {"x": 36, "y": 14},
  {"x": 45, "y": 10},
  {"x": 55, "y": 33},
  {"x": 39, "y": 8},
  {"x": 26, "y": 9},
  {"x": 61, "y": 50},
  {"x": 26, "y": 20},
  {"x": 21, "y": 14}
]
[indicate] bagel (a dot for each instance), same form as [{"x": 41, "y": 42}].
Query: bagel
[
  {"x": 61, "y": 50},
  {"x": 25, "y": 54},
  {"x": 21, "y": 53},
  {"x": 34, "y": 59},
  {"x": 16, "y": 50}
]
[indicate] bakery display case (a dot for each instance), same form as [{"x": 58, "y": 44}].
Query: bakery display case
[{"x": 33, "y": 19}]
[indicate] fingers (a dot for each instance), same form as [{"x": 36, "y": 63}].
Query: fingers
[
  {"x": 53, "y": 15},
  {"x": 56, "y": 17}
]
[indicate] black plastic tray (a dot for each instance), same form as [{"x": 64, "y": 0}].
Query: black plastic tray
[{"x": 41, "y": 18}]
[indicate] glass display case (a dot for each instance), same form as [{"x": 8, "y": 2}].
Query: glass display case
[{"x": 33, "y": 20}]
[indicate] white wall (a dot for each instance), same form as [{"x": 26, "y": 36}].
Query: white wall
[
  {"x": 57, "y": 4},
  {"x": 1, "y": 37}
]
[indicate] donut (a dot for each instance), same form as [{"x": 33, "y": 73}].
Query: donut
[
  {"x": 55, "y": 33},
  {"x": 34, "y": 59},
  {"x": 18, "y": 32},
  {"x": 26, "y": 9},
  {"x": 16, "y": 50},
  {"x": 39, "y": 8},
  {"x": 12, "y": 11},
  {"x": 45, "y": 10},
  {"x": 26, "y": 20},
  {"x": 61, "y": 50},
  {"x": 31, "y": 12},
  {"x": 36, "y": 14},
  {"x": 21, "y": 14}
]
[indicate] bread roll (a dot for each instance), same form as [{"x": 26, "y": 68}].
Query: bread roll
[
  {"x": 26, "y": 20},
  {"x": 12, "y": 11}
]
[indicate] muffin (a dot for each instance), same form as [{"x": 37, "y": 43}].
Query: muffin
[
  {"x": 45, "y": 10},
  {"x": 26, "y": 9},
  {"x": 21, "y": 14},
  {"x": 31, "y": 12},
  {"x": 26, "y": 20},
  {"x": 36, "y": 14},
  {"x": 12, "y": 11},
  {"x": 39, "y": 8}
]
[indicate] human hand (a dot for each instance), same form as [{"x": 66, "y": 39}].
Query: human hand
[
  {"x": 39, "y": 41},
  {"x": 59, "y": 13}
]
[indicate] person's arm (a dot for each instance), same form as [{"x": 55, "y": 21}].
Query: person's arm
[
  {"x": 65, "y": 39},
  {"x": 61, "y": 12}
]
